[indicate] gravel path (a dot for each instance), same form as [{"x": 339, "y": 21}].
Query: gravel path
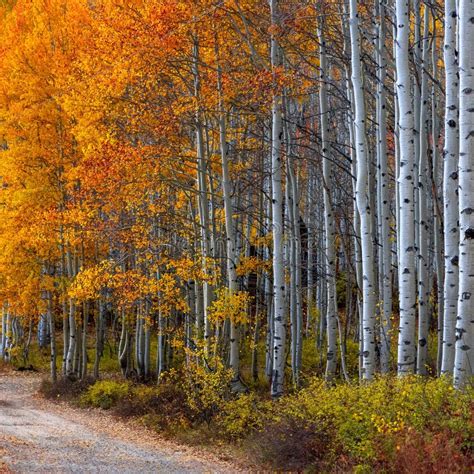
[{"x": 39, "y": 436}]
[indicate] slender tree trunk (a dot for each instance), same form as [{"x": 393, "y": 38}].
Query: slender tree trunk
[
  {"x": 99, "y": 339},
  {"x": 232, "y": 255},
  {"x": 279, "y": 332},
  {"x": 423, "y": 194},
  {"x": 363, "y": 203},
  {"x": 294, "y": 246},
  {"x": 202, "y": 197},
  {"x": 310, "y": 293},
  {"x": 72, "y": 338},
  {"x": 464, "y": 353},
  {"x": 450, "y": 188},
  {"x": 329, "y": 224},
  {"x": 52, "y": 331},
  {"x": 384, "y": 199},
  {"x": 124, "y": 347},
  {"x": 356, "y": 219},
  {"x": 161, "y": 362},
  {"x": 437, "y": 220},
  {"x": 406, "y": 257},
  {"x": 84, "y": 357}
]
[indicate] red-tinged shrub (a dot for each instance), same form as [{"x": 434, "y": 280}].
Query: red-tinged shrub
[{"x": 441, "y": 452}]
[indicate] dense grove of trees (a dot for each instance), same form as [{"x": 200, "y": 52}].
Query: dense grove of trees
[{"x": 252, "y": 181}]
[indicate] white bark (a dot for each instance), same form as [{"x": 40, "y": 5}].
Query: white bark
[
  {"x": 329, "y": 225},
  {"x": 437, "y": 209},
  {"x": 232, "y": 254},
  {"x": 52, "y": 333},
  {"x": 279, "y": 333},
  {"x": 202, "y": 198},
  {"x": 416, "y": 84},
  {"x": 384, "y": 202},
  {"x": 71, "y": 353},
  {"x": 464, "y": 352},
  {"x": 406, "y": 257},
  {"x": 310, "y": 298},
  {"x": 295, "y": 263},
  {"x": 423, "y": 227},
  {"x": 356, "y": 219},
  {"x": 450, "y": 188},
  {"x": 72, "y": 338},
  {"x": 160, "y": 356},
  {"x": 363, "y": 204},
  {"x": 84, "y": 356}
]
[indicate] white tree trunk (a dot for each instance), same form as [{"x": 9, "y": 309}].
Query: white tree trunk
[
  {"x": 232, "y": 254},
  {"x": 279, "y": 332},
  {"x": 202, "y": 199},
  {"x": 406, "y": 257},
  {"x": 310, "y": 293},
  {"x": 356, "y": 218},
  {"x": 437, "y": 208},
  {"x": 363, "y": 204},
  {"x": 295, "y": 253},
  {"x": 384, "y": 200},
  {"x": 329, "y": 225},
  {"x": 160, "y": 359},
  {"x": 72, "y": 338},
  {"x": 450, "y": 188},
  {"x": 423, "y": 193},
  {"x": 464, "y": 353}
]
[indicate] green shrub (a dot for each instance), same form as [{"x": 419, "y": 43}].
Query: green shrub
[
  {"x": 105, "y": 394},
  {"x": 388, "y": 425},
  {"x": 206, "y": 389},
  {"x": 240, "y": 416}
]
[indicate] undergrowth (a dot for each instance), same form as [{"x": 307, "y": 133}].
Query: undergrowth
[{"x": 389, "y": 425}]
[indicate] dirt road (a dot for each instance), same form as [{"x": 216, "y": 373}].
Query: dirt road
[{"x": 39, "y": 436}]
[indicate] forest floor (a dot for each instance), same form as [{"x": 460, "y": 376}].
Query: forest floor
[{"x": 37, "y": 435}]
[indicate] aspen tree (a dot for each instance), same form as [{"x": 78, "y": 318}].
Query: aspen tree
[
  {"x": 437, "y": 207},
  {"x": 363, "y": 203},
  {"x": 423, "y": 195},
  {"x": 406, "y": 224},
  {"x": 232, "y": 255},
  {"x": 329, "y": 225},
  {"x": 383, "y": 197},
  {"x": 450, "y": 187},
  {"x": 464, "y": 353},
  {"x": 279, "y": 332}
]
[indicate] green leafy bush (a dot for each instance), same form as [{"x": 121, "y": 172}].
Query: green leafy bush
[
  {"x": 241, "y": 415},
  {"x": 105, "y": 394},
  {"x": 369, "y": 423}
]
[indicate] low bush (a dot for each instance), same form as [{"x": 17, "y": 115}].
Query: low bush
[
  {"x": 185, "y": 398},
  {"x": 162, "y": 407},
  {"x": 294, "y": 444},
  {"x": 206, "y": 390},
  {"x": 429, "y": 452},
  {"x": 105, "y": 394},
  {"x": 241, "y": 415},
  {"x": 369, "y": 425}
]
